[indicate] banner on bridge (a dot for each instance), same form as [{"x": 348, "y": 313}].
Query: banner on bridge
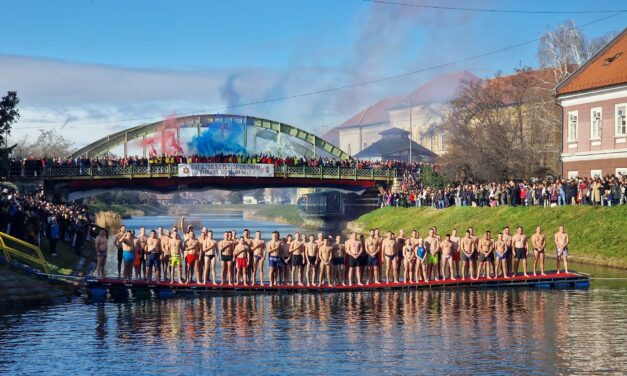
[{"x": 226, "y": 169}]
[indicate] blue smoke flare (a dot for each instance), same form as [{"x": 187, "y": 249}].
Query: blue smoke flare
[{"x": 219, "y": 138}]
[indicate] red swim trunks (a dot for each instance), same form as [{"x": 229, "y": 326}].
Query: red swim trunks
[
  {"x": 191, "y": 258},
  {"x": 137, "y": 261},
  {"x": 241, "y": 263},
  {"x": 456, "y": 256}
]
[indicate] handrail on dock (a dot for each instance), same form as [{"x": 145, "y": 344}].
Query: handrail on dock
[{"x": 11, "y": 253}]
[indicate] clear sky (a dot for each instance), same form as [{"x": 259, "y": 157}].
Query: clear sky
[{"x": 82, "y": 64}]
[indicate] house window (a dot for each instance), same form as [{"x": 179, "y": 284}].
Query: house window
[
  {"x": 621, "y": 119},
  {"x": 573, "y": 122},
  {"x": 573, "y": 174},
  {"x": 621, "y": 171},
  {"x": 596, "y": 123},
  {"x": 595, "y": 173}
]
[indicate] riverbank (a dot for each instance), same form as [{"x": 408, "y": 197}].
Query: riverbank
[
  {"x": 597, "y": 234},
  {"x": 285, "y": 214},
  {"x": 131, "y": 210}
]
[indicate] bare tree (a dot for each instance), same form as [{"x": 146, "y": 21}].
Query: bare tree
[{"x": 48, "y": 144}]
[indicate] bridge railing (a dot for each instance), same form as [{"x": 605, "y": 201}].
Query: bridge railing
[{"x": 284, "y": 171}]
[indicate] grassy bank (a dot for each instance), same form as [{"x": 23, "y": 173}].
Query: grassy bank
[
  {"x": 278, "y": 213},
  {"x": 598, "y": 235}
]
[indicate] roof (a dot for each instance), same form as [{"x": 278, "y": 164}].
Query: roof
[
  {"x": 537, "y": 78},
  {"x": 439, "y": 89},
  {"x": 386, "y": 146},
  {"x": 608, "y": 67},
  {"x": 394, "y": 131}
]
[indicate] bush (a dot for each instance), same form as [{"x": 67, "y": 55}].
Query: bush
[{"x": 111, "y": 221}]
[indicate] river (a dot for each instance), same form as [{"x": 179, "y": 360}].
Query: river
[{"x": 491, "y": 332}]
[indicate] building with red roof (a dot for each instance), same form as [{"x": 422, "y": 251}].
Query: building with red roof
[{"x": 594, "y": 108}]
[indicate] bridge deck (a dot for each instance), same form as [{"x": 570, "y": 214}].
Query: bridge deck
[{"x": 118, "y": 287}]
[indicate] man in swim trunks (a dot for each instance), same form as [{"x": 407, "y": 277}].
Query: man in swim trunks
[
  {"x": 538, "y": 240},
  {"x": 400, "y": 244},
  {"x": 432, "y": 245},
  {"x": 286, "y": 256},
  {"x": 311, "y": 253},
  {"x": 379, "y": 239},
  {"x": 143, "y": 239},
  {"x": 509, "y": 254},
  {"x": 485, "y": 249},
  {"x": 388, "y": 246},
  {"x": 354, "y": 250},
  {"x": 248, "y": 240},
  {"x": 226, "y": 257},
  {"x": 447, "y": 257},
  {"x": 339, "y": 275},
  {"x": 176, "y": 255},
  {"x": 467, "y": 247},
  {"x": 421, "y": 261},
  {"x": 561, "y": 244},
  {"x": 210, "y": 249},
  {"x": 521, "y": 246},
  {"x": 201, "y": 255},
  {"x": 192, "y": 250},
  {"x": 117, "y": 242},
  {"x": 456, "y": 254},
  {"x": 127, "y": 243},
  {"x": 101, "y": 246},
  {"x": 138, "y": 252},
  {"x": 153, "y": 255},
  {"x": 501, "y": 259},
  {"x": 372, "y": 249},
  {"x": 241, "y": 255},
  {"x": 297, "y": 249},
  {"x": 274, "y": 258},
  {"x": 475, "y": 240},
  {"x": 164, "y": 240},
  {"x": 325, "y": 257},
  {"x": 259, "y": 251},
  {"x": 409, "y": 260}
]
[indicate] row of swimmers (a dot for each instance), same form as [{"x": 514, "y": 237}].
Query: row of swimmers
[{"x": 169, "y": 256}]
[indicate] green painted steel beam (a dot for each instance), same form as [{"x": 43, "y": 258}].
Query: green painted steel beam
[{"x": 118, "y": 138}]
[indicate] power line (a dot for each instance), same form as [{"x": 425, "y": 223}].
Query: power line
[
  {"x": 487, "y": 10},
  {"x": 333, "y": 89}
]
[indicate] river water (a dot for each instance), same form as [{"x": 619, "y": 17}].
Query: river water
[{"x": 491, "y": 332}]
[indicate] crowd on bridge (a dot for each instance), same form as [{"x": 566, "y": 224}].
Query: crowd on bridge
[
  {"x": 180, "y": 256},
  {"x": 31, "y": 218},
  {"x": 34, "y": 166},
  {"x": 609, "y": 190}
]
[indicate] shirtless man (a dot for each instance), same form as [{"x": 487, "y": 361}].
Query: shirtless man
[
  {"x": 311, "y": 254},
  {"x": 143, "y": 239},
  {"x": 176, "y": 255},
  {"x": 501, "y": 259},
  {"x": 354, "y": 250},
  {"x": 507, "y": 238},
  {"x": 241, "y": 255},
  {"x": 274, "y": 258},
  {"x": 153, "y": 255},
  {"x": 100, "y": 243},
  {"x": 338, "y": 261},
  {"x": 379, "y": 239},
  {"x": 201, "y": 255},
  {"x": 467, "y": 247},
  {"x": 456, "y": 255},
  {"x": 209, "y": 249},
  {"x": 320, "y": 240},
  {"x": 117, "y": 242},
  {"x": 325, "y": 257},
  {"x": 192, "y": 250},
  {"x": 400, "y": 243},
  {"x": 538, "y": 240},
  {"x": 248, "y": 240},
  {"x": 259, "y": 256},
  {"x": 287, "y": 259},
  {"x": 447, "y": 257},
  {"x": 127, "y": 244},
  {"x": 226, "y": 257},
  {"x": 297, "y": 249},
  {"x": 409, "y": 260},
  {"x": 138, "y": 251},
  {"x": 521, "y": 246},
  {"x": 432, "y": 245},
  {"x": 388, "y": 246},
  {"x": 233, "y": 241},
  {"x": 561, "y": 245},
  {"x": 475, "y": 240},
  {"x": 486, "y": 255},
  {"x": 373, "y": 251},
  {"x": 164, "y": 242}
]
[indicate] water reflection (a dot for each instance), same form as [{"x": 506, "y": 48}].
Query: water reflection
[{"x": 407, "y": 332}]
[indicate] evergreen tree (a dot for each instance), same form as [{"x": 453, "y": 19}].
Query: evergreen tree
[{"x": 8, "y": 115}]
